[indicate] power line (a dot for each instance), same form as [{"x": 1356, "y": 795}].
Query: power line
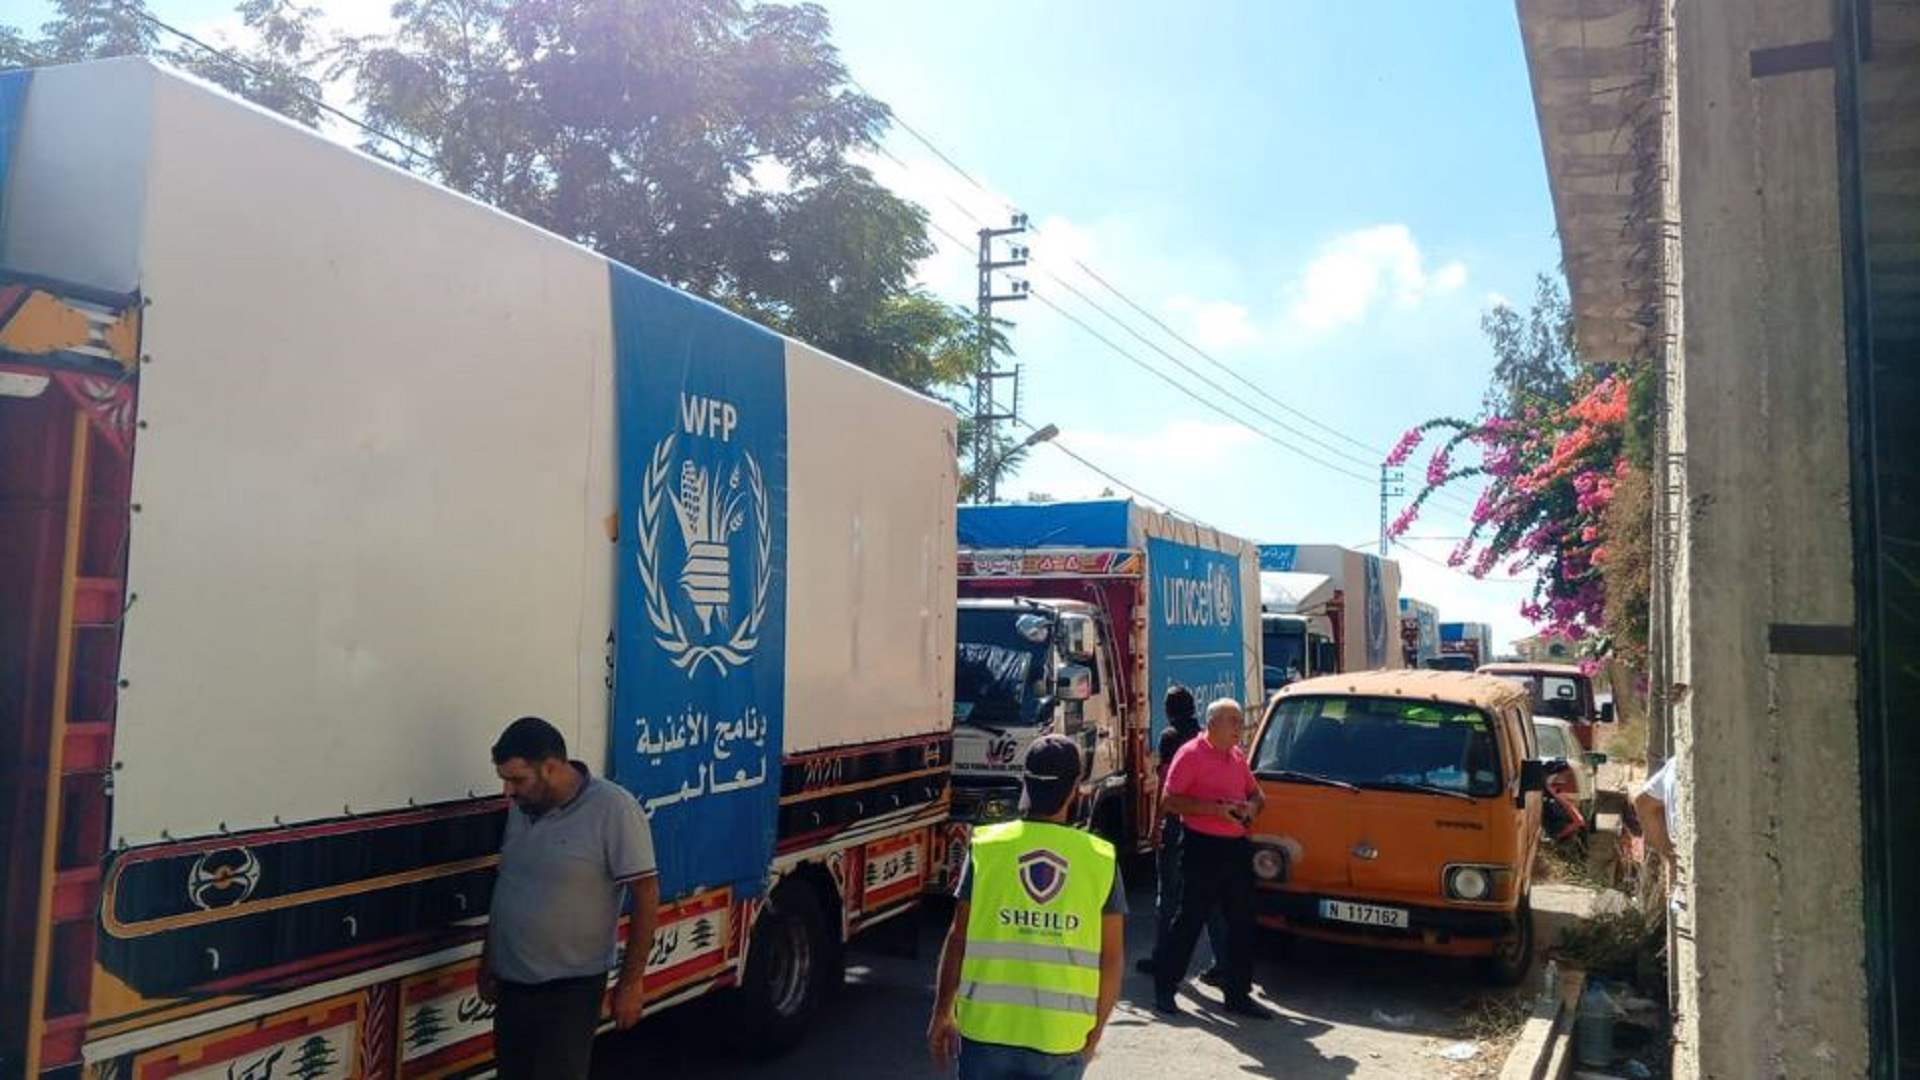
[
  {"x": 258, "y": 73},
  {"x": 1177, "y": 384},
  {"x": 1210, "y": 358},
  {"x": 1424, "y": 557},
  {"x": 1109, "y": 477},
  {"x": 1445, "y": 498},
  {"x": 934, "y": 148}
]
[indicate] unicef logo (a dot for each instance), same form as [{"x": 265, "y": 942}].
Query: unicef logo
[
  {"x": 707, "y": 604},
  {"x": 1220, "y": 584}
]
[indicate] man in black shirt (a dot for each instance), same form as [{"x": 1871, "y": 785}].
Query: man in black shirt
[{"x": 1183, "y": 723}]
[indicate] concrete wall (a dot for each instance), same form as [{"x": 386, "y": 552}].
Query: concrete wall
[{"x": 1769, "y": 951}]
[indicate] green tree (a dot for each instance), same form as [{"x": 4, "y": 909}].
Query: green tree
[
  {"x": 708, "y": 143},
  {"x": 1533, "y": 357},
  {"x": 281, "y": 72}
]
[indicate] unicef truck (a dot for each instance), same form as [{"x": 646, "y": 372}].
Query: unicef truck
[
  {"x": 313, "y": 475},
  {"x": 1075, "y": 618}
]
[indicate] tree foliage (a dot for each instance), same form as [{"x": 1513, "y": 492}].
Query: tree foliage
[
  {"x": 709, "y": 143},
  {"x": 1563, "y": 495}
]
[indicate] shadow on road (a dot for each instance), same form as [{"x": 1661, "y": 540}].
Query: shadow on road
[{"x": 1339, "y": 1012}]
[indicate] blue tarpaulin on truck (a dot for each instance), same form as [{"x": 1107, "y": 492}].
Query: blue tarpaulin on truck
[{"x": 1101, "y": 523}]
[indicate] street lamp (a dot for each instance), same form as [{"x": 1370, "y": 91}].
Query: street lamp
[{"x": 1040, "y": 435}]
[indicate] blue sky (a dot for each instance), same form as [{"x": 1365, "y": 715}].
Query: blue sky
[{"x": 1323, "y": 196}]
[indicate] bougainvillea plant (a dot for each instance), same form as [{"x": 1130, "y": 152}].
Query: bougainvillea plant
[{"x": 1550, "y": 472}]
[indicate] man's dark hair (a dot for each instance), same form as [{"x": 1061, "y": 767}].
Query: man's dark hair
[
  {"x": 531, "y": 739},
  {"x": 1179, "y": 705}
]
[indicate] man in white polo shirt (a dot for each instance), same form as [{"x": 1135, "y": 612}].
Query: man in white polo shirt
[{"x": 574, "y": 843}]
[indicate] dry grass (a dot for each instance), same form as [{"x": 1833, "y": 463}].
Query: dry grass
[{"x": 1615, "y": 943}]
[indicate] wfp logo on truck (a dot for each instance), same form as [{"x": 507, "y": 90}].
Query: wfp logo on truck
[{"x": 705, "y": 501}]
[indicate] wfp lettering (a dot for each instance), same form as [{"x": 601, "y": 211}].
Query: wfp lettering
[{"x": 1058, "y": 922}]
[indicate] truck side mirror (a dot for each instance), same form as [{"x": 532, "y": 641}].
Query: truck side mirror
[
  {"x": 1606, "y": 712},
  {"x": 1533, "y": 777},
  {"x": 1075, "y": 683}
]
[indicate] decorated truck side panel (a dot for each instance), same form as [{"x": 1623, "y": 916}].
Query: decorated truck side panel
[
  {"x": 318, "y": 475},
  {"x": 1419, "y": 631}
]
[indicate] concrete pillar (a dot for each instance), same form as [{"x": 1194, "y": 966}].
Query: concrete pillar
[{"x": 1769, "y": 957}]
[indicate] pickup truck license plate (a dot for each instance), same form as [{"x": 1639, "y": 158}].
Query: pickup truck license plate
[{"x": 1364, "y": 914}]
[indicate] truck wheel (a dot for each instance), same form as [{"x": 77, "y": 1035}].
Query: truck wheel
[
  {"x": 790, "y": 965},
  {"x": 1513, "y": 956}
]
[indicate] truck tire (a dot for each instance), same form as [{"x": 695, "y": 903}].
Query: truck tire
[
  {"x": 1512, "y": 957},
  {"x": 790, "y": 967}
]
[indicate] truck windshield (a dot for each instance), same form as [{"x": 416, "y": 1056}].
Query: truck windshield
[
  {"x": 1283, "y": 647},
  {"x": 1558, "y": 696},
  {"x": 998, "y": 673},
  {"x": 1382, "y": 743}
]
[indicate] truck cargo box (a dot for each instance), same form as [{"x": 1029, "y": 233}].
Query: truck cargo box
[
  {"x": 404, "y": 468},
  {"x": 1370, "y": 598}
]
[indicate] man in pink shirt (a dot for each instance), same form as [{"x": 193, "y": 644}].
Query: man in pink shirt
[{"x": 1211, "y": 788}]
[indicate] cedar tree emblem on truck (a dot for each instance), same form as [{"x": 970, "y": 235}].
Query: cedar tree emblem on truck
[{"x": 724, "y": 525}]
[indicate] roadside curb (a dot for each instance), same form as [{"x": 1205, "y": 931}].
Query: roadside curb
[{"x": 1543, "y": 1050}]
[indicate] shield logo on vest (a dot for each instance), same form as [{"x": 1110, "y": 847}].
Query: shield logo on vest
[{"x": 1043, "y": 874}]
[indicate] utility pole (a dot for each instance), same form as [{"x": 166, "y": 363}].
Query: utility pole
[
  {"x": 1391, "y": 481},
  {"x": 986, "y": 414}
]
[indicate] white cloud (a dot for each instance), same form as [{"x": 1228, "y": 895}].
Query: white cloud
[
  {"x": 1358, "y": 271},
  {"x": 1497, "y": 299},
  {"x": 1216, "y": 324}
]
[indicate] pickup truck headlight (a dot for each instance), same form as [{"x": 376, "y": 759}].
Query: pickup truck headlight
[
  {"x": 1469, "y": 883},
  {"x": 1270, "y": 863}
]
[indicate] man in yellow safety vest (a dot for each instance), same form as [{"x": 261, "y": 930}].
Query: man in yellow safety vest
[{"x": 1032, "y": 964}]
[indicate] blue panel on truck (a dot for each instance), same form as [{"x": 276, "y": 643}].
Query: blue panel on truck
[
  {"x": 1098, "y": 523},
  {"x": 1378, "y": 637},
  {"x": 700, "y": 681},
  {"x": 1195, "y": 636},
  {"x": 13, "y": 106},
  {"x": 1278, "y": 557}
]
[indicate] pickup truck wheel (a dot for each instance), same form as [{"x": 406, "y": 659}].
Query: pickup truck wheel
[
  {"x": 790, "y": 965},
  {"x": 1513, "y": 956}
]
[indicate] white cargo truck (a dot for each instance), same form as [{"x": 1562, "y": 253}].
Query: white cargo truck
[
  {"x": 1362, "y": 600},
  {"x": 313, "y": 475}
]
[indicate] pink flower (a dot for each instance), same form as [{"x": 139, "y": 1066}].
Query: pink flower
[
  {"x": 1483, "y": 507},
  {"x": 1589, "y": 666},
  {"x": 1405, "y": 521},
  {"x": 1438, "y": 467},
  {"x": 1404, "y": 449},
  {"x": 1458, "y": 556}
]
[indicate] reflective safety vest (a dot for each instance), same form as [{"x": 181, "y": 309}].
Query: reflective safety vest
[{"x": 1031, "y": 972}]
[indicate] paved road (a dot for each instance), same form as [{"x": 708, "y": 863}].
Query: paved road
[{"x": 1339, "y": 1013}]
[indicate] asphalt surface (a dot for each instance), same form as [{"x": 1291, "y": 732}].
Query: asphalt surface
[{"x": 1338, "y": 1012}]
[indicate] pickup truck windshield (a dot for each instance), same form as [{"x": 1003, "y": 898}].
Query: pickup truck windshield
[
  {"x": 998, "y": 673},
  {"x": 1382, "y": 743}
]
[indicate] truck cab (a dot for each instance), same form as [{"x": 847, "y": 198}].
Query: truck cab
[
  {"x": 1295, "y": 647},
  {"x": 1024, "y": 668},
  {"x": 1560, "y": 692}
]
